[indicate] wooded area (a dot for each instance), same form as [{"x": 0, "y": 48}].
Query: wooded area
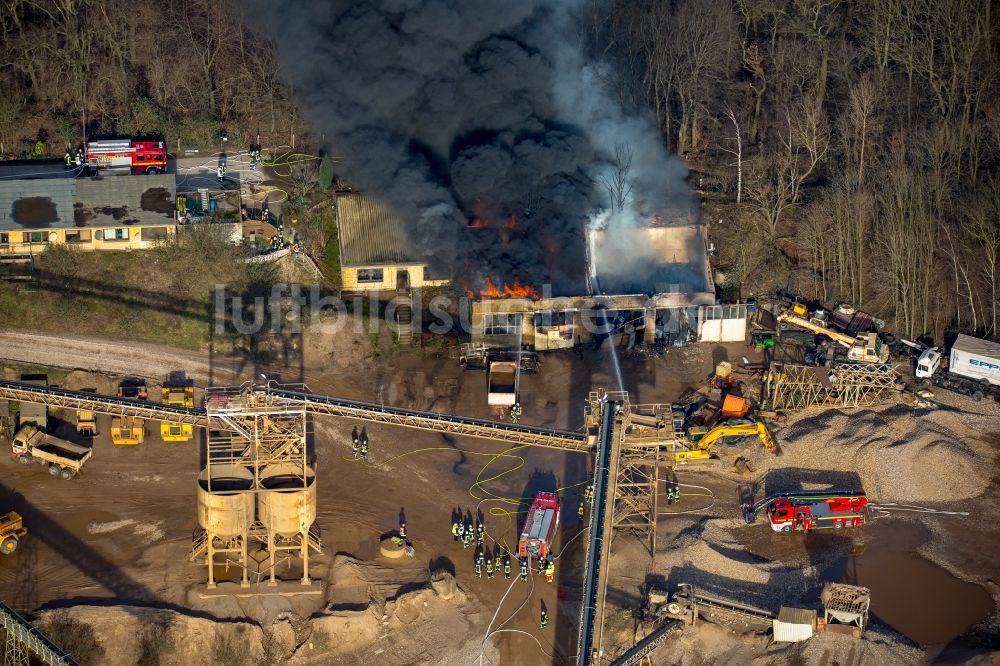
[
  {"x": 188, "y": 70},
  {"x": 850, "y": 145},
  {"x": 850, "y": 148}
]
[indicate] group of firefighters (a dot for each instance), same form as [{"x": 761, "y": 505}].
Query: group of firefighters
[
  {"x": 71, "y": 161},
  {"x": 359, "y": 447}
]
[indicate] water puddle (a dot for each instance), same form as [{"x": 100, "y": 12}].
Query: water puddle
[
  {"x": 911, "y": 594},
  {"x": 914, "y": 596}
]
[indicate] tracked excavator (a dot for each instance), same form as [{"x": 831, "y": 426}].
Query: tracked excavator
[
  {"x": 866, "y": 348},
  {"x": 703, "y": 439}
]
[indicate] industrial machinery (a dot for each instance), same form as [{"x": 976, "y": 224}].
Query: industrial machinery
[
  {"x": 866, "y": 348},
  {"x": 973, "y": 367},
  {"x": 86, "y": 419},
  {"x": 126, "y": 156},
  {"x": 178, "y": 390},
  {"x": 12, "y": 530},
  {"x": 810, "y": 510},
  {"x": 30, "y": 412},
  {"x": 539, "y": 527},
  {"x": 63, "y": 458},
  {"x": 704, "y": 439},
  {"x": 127, "y": 430},
  {"x": 133, "y": 387}
]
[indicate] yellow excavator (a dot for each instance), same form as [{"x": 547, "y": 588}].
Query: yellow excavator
[
  {"x": 177, "y": 390},
  {"x": 703, "y": 439}
]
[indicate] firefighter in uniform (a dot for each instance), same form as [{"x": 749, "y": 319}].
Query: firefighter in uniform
[
  {"x": 489, "y": 568},
  {"x": 455, "y": 530},
  {"x": 550, "y": 571},
  {"x": 545, "y": 619},
  {"x": 480, "y": 532},
  {"x": 221, "y": 171},
  {"x": 460, "y": 531},
  {"x": 581, "y": 510},
  {"x": 402, "y": 530},
  {"x": 479, "y": 569},
  {"x": 515, "y": 413},
  {"x": 524, "y": 570},
  {"x": 506, "y": 566},
  {"x": 67, "y": 160},
  {"x": 588, "y": 494},
  {"x": 354, "y": 442},
  {"x": 497, "y": 563},
  {"x": 364, "y": 449}
]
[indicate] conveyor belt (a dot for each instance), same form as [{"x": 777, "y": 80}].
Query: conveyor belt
[
  {"x": 647, "y": 644},
  {"x": 589, "y": 620},
  {"x": 316, "y": 404},
  {"x": 29, "y": 638},
  {"x": 102, "y": 404},
  {"x": 435, "y": 422}
]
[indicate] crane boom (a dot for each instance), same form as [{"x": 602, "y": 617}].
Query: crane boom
[{"x": 801, "y": 322}]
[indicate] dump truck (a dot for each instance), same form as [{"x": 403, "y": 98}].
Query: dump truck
[
  {"x": 865, "y": 348},
  {"x": 63, "y": 458},
  {"x": 86, "y": 419},
  {"x": 178, "y": 390},
  {"x": 810, "y": 510},
  {"x": 973, "y": 367},
  {"x": 33, "y": 412},
  {"x": 12, "y": 530},
  {"x": 502, "y": 380},
  {"x": 127, "y": 431},
  {"x": 539, "y": 527}
]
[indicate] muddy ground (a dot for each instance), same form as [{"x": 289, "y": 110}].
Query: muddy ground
[{"x": 119, "y": 534}]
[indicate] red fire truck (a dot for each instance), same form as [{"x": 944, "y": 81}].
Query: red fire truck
[
  {"x": 126, "y": 156},
  {"x": 807, "y": 511},
  {"x": 539, "y": 527}
]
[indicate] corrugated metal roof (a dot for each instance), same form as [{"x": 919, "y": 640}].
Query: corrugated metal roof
[{"x": 371, "y": 234}]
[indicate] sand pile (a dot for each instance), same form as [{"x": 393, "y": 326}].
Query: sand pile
[{"x": 898, "y": 454}]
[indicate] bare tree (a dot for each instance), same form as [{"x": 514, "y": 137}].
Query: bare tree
[
  {"x": 736, "y": 152},
  {"x": 617, "y": 183}
]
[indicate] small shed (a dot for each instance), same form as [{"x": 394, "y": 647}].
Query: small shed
[{"x": 794, "y": 624}]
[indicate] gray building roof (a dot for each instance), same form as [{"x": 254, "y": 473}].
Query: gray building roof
[
  {"x": 60, "y": 203},
  {"x": 370, "y": 233}
]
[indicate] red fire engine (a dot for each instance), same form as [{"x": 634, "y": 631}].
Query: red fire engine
[
  {"x": 127, "y": 156},
  {"x": 807, "y": 511},
  {"x": 539, "y": 527}
]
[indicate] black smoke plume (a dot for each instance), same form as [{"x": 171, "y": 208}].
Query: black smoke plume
[{"x": 482, "y": 123}]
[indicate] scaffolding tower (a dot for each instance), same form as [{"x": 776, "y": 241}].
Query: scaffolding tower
[
  {"x": 257, "y": 491},
  {"x": 792, "y": 386}
]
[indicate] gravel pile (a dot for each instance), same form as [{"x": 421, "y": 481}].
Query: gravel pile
[{"x": 898, "y": 454}]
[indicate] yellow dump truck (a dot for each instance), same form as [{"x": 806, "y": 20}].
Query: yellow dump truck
[
  {"x": 12, "y": 530},
  {"x": 127, "y": 431},
  {"x": 178, "y": 390},
  {"x": 63, "y": 458}
]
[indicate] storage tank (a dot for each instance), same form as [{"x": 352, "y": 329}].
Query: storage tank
[
  {"x": 287, "y": 501},
  {"x": 227, "y": 509}
]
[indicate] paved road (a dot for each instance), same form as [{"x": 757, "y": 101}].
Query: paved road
[{"x": 193, "y": 172}]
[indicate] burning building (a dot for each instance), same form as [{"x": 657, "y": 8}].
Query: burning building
[{"x": 490, "y": 129}]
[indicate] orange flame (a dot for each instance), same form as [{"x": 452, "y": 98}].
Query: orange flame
[{"x": 515, "y": 290}]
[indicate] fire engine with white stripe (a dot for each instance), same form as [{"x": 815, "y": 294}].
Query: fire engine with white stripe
[{"x": 810, "y": 510}]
